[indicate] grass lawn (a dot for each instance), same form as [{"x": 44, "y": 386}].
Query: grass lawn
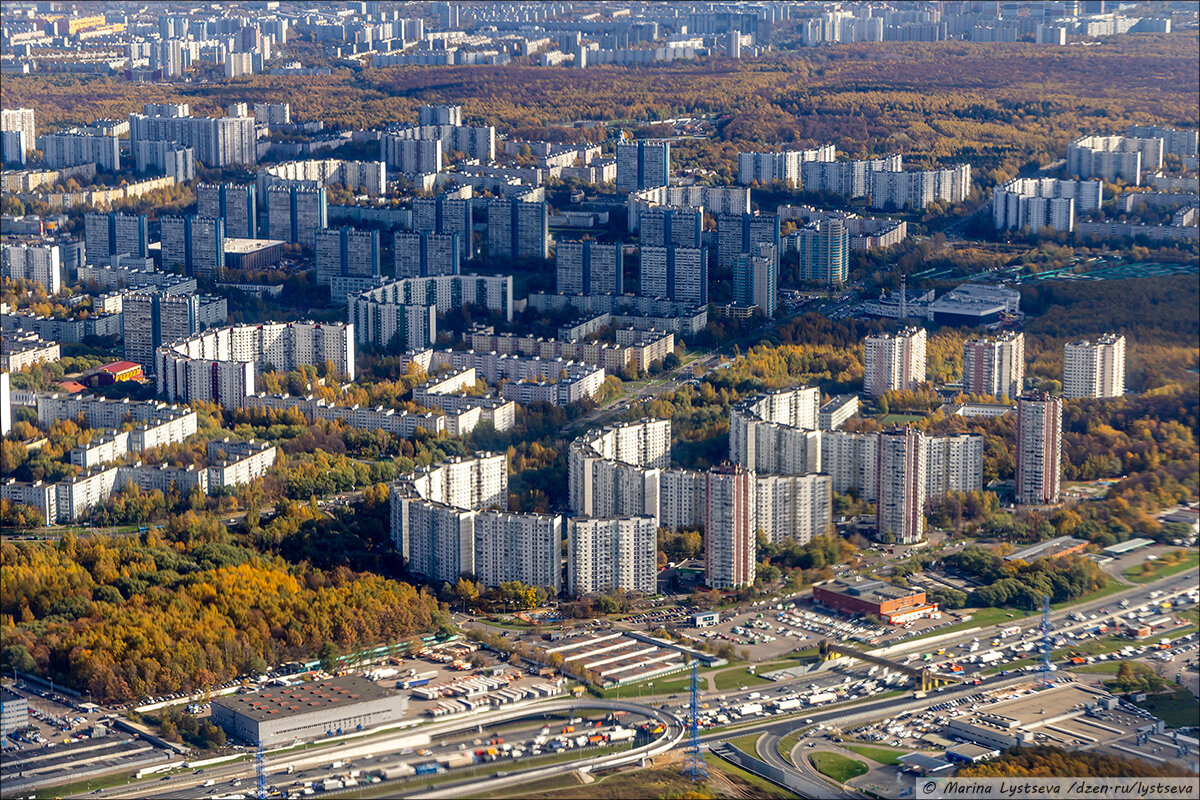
[
  {"x": 981, "y": 618},
  {"x": 669, "y": 684},
  {"x": 740, "y": 676},
  {"x": 900, "y": 419},
  {"x": 838, "y": 767},
  {"x": 1103, "y": 668},
  {"x": 884, "y": 755},
  {"x": 716, "y": 763},
  {"x": 82, "y": 787},
  {"x": 1162, "y": 570},
  {"x": 746, "y": 743},
  {"x": 788, "y": 743},
  {"x": 1113, "y": 587},
  {"x": 1177, "y": 707}
]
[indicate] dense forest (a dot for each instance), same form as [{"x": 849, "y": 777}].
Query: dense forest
[
  {"x": 1053, "y": 762},
  {"x": 124, "y": 617}
]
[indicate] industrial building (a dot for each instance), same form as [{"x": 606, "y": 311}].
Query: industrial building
[
  {"x": 330, "y": 707},
  {"x": 891, "y": 603},
  {"x": 1051, "y": 548}
]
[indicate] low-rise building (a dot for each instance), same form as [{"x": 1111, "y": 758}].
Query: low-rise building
[
  {"x": 890, "y": 603},
  {"x": 314, "y": 710}
]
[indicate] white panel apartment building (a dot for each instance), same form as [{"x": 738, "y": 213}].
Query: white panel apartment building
[
  {"x": 894, "y": 362},
  {"x": 1037, "y": 203},
  {"x": 777, "y": 432},
  {"x": 615, "y": 472},
  {"x": 995, "y": 367},
  {"x": 953, "y": 464},
  {"x": 448, "y": 521},
  {"x": 794, "y": 507},
  {"x": 520, "y": 547},
  {"x": 1114, "y": 158},
  {"x": 783, "y": 166},
  {"x": 919, "y": 189},
  {"x": 845, "y": 178},
  {"x": 1039, "y": 449},
  {"x": 42, "y": 264},
  {"x": 604, "y": 555},
  {"x": 218, "y": 365},
  {"x": 241, "y": 464},
  {"x": 1094, "y": 369}
]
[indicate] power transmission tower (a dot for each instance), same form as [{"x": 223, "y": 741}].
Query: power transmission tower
[
  {"x": 695, "y": 769},
  {"x": 260, "y": 771},
  {"x": 1044, "y": 680}
]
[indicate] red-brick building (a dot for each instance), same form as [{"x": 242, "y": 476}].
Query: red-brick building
[{"x": 887, "y": 601}]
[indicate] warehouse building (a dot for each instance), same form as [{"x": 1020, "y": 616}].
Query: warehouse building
[
  {"x": 890, "y": 603},
  {"x": 329, "y": 707},
  {"x": 1051, "y": 548}
]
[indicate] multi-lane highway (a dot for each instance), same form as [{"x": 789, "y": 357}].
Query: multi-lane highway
[{"x": 314, "y": 764}]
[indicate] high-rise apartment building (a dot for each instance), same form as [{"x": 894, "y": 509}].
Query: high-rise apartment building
[
  {"x": 667, "y": 226},
  {"x": 197, "y": 244},
  {"x": 795, "y": 507},
  {"x": 13, "y": 147},
  {"x": 767, "y": 168},
  {"x": 1037, "y": 203},
  {"x": 39, "y": 263},
  {"x": 439, "y": 115},
  {"x": 420, "y": 253},
  {"x": 346, "y": 252},
  {"x": 824, "y": 248},
  {"x": 71, "y": 149},
  {"x": 920, "y": 188},
  {"x": 743, "y": 233},
  {"x": 106, "y": 235},
  {"x": 296, "y": 210},
  {"x": 588, "y": 267},
  {"x": 900, "y": 507},
  {"x": 756, "y": 279},
  {"x": 1039, "y": 449},
  {"x": 273, "y": 113},
  {"x": 845, "y": 178},
  {"x": 518, "y": 547},
  {"x": 518, "y": 229},
  {"x": 674, "y": 273},
  {"x": 1114, "y": 158},
  {"x": 445, "y": 216},
  {"x": 152, "y": 319},
  {"x": 730, "y": 533},
  {"x": 218, "y": 142},
  {"x": 20, "y": 119},
  {"x": 1094, "y": 369},
  {"x": 643, "y": 165},
  {"x": 234, "y": 203},
  {"x": 953, "y": 464},
  {"x": 995, "y": 366},
  {"x": 604, "y": 555},
  {"x": 894, "y": 362},
  {"x": 1182, "y": 143}
]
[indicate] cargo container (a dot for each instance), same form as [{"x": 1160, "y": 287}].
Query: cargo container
[
  {"x": 749, "y": 708},
  {"x": 462, "y": 759},
  {"x": 621, "y": 735},
  {"x": 413, "y": 683},
  {"x": 568, "y": 729},
  {"x": 784, "y": 705},
  {"x": 821, "y": 697}
]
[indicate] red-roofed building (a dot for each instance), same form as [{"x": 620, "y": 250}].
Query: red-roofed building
[
  {"x": 71, "y": 387},
  {"x": 112, "y": 373}
]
